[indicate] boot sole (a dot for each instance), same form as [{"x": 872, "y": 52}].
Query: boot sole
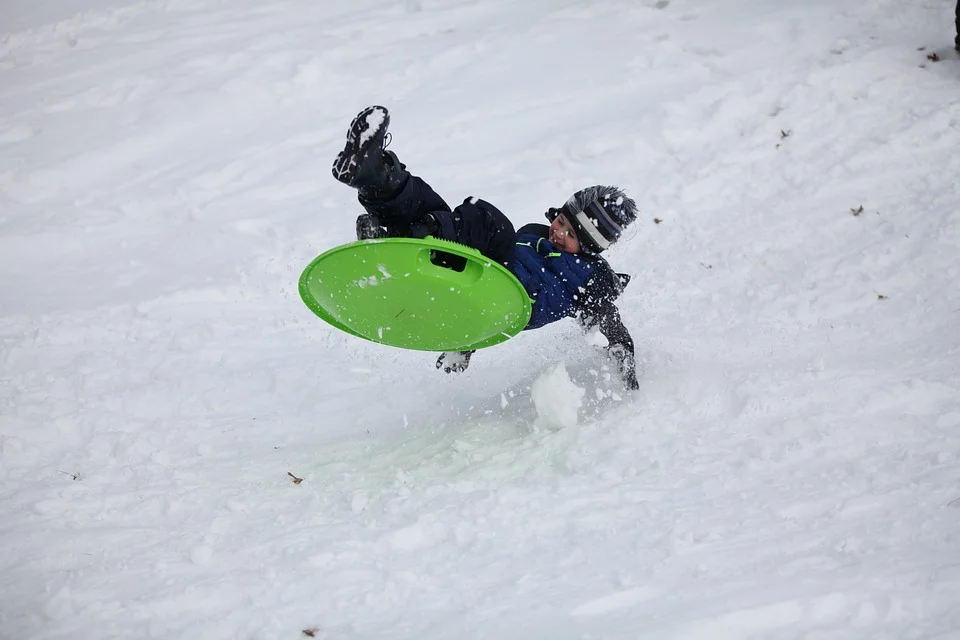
[{"x": 366, "y": 130}]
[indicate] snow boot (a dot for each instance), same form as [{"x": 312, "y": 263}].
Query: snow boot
[{"x": 364, "y": 164}]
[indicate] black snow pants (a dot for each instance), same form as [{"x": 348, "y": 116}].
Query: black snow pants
[{"x": 475, "y": 223}]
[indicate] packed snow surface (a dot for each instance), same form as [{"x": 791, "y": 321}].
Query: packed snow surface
[{"x": 187, "y": 452}]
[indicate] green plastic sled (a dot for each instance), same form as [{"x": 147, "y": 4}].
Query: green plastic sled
[{"x": 392, "y": 291}]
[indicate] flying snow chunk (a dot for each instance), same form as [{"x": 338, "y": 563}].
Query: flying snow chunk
[{"x": 556, "y": 398}]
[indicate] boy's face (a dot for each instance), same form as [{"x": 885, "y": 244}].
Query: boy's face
[{"x": 563, "y": 235}]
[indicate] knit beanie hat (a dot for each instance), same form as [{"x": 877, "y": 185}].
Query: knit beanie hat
[{"x": 599, "y": 214}]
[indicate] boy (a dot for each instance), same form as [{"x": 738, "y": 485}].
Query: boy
[{"x": 559, "y": 265}]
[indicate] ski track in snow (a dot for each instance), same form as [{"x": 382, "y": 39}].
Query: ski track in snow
[{"x": 786, "y": 470}]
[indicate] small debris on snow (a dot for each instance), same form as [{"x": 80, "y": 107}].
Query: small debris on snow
[{"x": 784, "y": 134}]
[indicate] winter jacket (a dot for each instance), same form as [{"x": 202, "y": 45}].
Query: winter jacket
[
  {"x": 552, "y": 278},
  {"x": 563, "y": 285}
]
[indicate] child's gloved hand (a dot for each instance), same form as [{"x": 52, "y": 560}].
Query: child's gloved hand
[
  {"x": 368, "y": 227},
  {"x": 454, "y": 361},
  {"x": 425, "y": 225},
  {"x": 626, "y": 364}
]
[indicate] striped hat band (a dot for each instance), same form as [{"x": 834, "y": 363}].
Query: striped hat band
[{"x": 595, "y": 227}]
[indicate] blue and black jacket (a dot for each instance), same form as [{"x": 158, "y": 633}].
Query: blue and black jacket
[{"x": 564, "y": 285}]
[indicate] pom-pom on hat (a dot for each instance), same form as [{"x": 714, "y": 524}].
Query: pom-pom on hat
[{"x": 599, "y": 214}]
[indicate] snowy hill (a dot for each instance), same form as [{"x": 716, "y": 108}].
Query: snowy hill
[{"x": 187, "y": 452}]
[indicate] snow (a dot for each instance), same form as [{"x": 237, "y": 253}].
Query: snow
[
  {"x": 556, "y": 399},
  {"x": 374, "y": 119},
  {"x": 187, "y": 452}
]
